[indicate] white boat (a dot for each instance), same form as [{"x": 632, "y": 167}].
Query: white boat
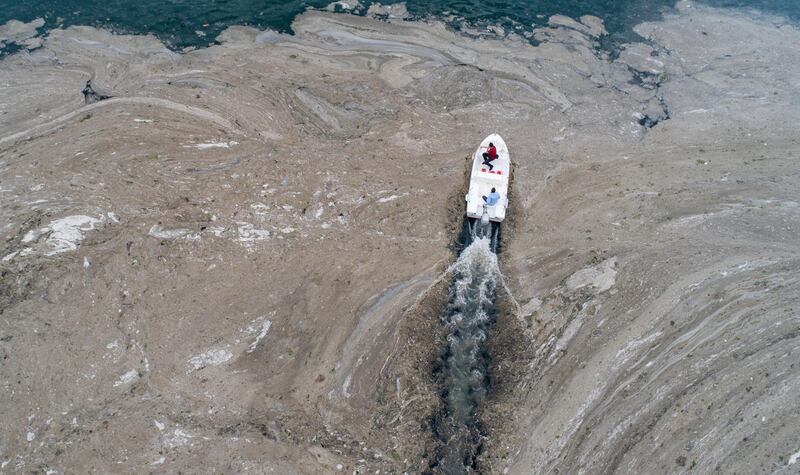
[{"x": 482, "y": 180}]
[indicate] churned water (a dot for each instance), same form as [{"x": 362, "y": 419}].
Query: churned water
[
  {"x": 463, "y": 370},
  {"x": 195, "y": 23}
]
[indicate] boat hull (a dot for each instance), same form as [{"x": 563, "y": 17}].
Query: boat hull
[{"x": 483, "y": 179}]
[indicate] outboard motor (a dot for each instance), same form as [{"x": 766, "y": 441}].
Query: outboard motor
[{"x": 485, "y": 217}]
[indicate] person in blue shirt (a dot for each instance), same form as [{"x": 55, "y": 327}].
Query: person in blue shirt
[{"x": 492, "y": 199}]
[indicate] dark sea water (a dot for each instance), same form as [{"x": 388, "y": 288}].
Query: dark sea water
[{"x": 183, "y": 23}]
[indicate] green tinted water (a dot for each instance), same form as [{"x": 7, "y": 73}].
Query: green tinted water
[{"x": 182, "y": 23}]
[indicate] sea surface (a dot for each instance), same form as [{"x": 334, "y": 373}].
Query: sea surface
[{"x": 195, "y": 23}]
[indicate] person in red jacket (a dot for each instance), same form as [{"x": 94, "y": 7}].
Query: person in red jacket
[{"x": 489, "y": 155}]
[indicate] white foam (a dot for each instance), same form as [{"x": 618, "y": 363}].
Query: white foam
[
  {"x": 259, "y": 208},
  {"x": 178, "y": 438},
  {"x": 394, "y": 10},
  {"x": 213, "y": 357},
  {"x": 388, "y": 199},
  {"x": 68, "y": 232},
  {"x": 127, "y": 378},
  {"x": 216, "y": 230},
  {"x": 264, "y": 329},
  {"x": 249, "y": 234},
  {"x": 30, "y": 236},
  {"x": 793, "y": 458},
  {"x": 212, "y": 144},
  {"x": 346, "y": 386},
  {"x": 159, "y": 232},
  {"x": 346, "y": 6}
]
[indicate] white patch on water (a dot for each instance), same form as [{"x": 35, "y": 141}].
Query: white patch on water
[
  {"x": 159, "y": 425},
  {"x": 86, "y": 262},
  {"x": 568, "y": 334},
  {"x": 793, "y": 458},
  {"x": 30, "y": 436},
  {"x": 10, "y": 256},
  {"x": 388, "y": 199},
  {"x": 691, "y": 220},
  {"x": 264, "y": 329},
  {"x": 557, "y": 445},
  {"x": 113, "y": 217},
  {"x": 144, "y": 356},
  {"x": 177, "y": 438},
  {"x": 532, "y": 306},
  {"x": 30, "y": 236},
  {"x": 67, "y": 233},
  {"x": 217, "y": 231},
  {"x": 213, "y": 357},
  {"x": 394, "y": 10},
  {"x": 159, "y": 461},
  {"x": 259, "y": 208},
  {"x": 159, "y": 232},
  {"x": 248, "y": 234},
  {"x": 21, "y": 33},
  {"x": 601, "y": 278},
  {"x": 728, "y": 209},
  {"x": 346, "y": 6},
  {"x": 212, "y": 144},
  {"x": 127, "y": 378},
  {"x": 623, "y": 354},
  {"x": 145, "y": 121},
  {"x": 346, "y": 385}
]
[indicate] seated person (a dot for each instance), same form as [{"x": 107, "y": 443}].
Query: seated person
[
  {"x": 489, "y": 155},
  {"x": 492, "y": 199}
]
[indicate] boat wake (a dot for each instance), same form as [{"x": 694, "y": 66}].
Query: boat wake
[{"x": 463, "y": 367}]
